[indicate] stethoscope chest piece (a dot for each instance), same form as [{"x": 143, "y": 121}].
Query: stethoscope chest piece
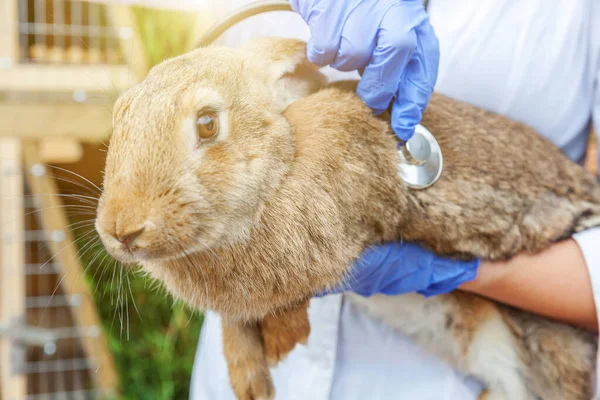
[{"x": 421, "y": 161}]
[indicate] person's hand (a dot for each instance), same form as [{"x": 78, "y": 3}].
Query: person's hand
[
  {"x": 391, "y": 39},
  {"x": 399, "y": 268}
]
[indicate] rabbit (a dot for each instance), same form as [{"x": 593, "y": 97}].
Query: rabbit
[{"x": 246, "y": 183}]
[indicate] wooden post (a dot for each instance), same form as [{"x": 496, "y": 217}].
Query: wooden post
[
  {"x": 53, "y": 219},
  {"x": 9, "y": 38},
  {"x": 12, "y": 261}
]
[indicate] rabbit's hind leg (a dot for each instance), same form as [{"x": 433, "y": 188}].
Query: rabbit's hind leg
[
  {"x": 494, "y": 358},
  {"x": 282, "y": 331},
  {"x": 467, "y": 332},
  {"x": 488, "y": 395}
]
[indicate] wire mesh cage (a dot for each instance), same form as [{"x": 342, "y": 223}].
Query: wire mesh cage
[
  {"x": 68, "y": 32},
  {"x": 55, "y": 362},
  {"x": 64, "y": 46},
  {"x": 52, "y": 344}
]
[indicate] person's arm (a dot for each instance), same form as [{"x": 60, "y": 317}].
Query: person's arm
[
  {"x": 555, "y": 283},
  {"x": 562, "y": 282}
]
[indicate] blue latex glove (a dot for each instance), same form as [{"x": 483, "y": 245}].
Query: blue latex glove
[
  {"x": 391, "y": 39},
  {"x": 398, "y": 268}
]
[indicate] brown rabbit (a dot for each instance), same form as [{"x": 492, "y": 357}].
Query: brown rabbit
[{"x": 245, "y": 185}]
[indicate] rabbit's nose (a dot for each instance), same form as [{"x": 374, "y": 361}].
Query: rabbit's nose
[{"x": 128, "y": 238}]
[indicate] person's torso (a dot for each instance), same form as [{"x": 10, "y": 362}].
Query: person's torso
[{"x": 533, "y": 60}]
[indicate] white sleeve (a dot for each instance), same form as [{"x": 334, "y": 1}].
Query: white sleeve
[
  {"x": 589, "y": 240},
  {"x": 596, "y": 113}
]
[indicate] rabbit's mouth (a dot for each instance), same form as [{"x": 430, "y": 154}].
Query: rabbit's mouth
[
  {"x": 155, "y": 233},
  {"x": 124, "y": 256},
  {"x": 149, "y": 245},
  {"x": 131, "y": 248},
  {"x": 138, "y": 255},
  {"x": 141, "y": 255}
]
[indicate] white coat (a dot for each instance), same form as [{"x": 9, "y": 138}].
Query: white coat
[{"x": 536, "y": 61}]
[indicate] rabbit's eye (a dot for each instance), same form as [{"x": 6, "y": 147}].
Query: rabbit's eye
[{"x": 207, "y": 125}]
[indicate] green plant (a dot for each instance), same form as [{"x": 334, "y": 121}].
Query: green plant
[{"x": 164, "y": 33}]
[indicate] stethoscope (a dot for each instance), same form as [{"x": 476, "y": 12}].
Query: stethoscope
[{"x": 421, "y": 161}]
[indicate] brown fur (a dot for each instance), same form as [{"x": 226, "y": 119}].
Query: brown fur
[
  {"x": 281, "y": 332},
  {"x": 255, "y": 223}
]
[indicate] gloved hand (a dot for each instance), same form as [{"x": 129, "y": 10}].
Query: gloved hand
[
  {"x": 398, "y": 268},
  {"x": 391, "y": 39}
]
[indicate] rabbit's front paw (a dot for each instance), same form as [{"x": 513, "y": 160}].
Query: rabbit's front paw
[
  {"x": 249, "y": 374},
  {"x": 283, "y": 331},
  {"x": 252, "y": 382}
]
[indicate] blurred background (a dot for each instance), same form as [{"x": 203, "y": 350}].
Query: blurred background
[{"x": 73, "y": 324}]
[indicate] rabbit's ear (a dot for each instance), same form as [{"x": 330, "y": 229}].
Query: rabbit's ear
[{"x": 286, "y": 68}]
